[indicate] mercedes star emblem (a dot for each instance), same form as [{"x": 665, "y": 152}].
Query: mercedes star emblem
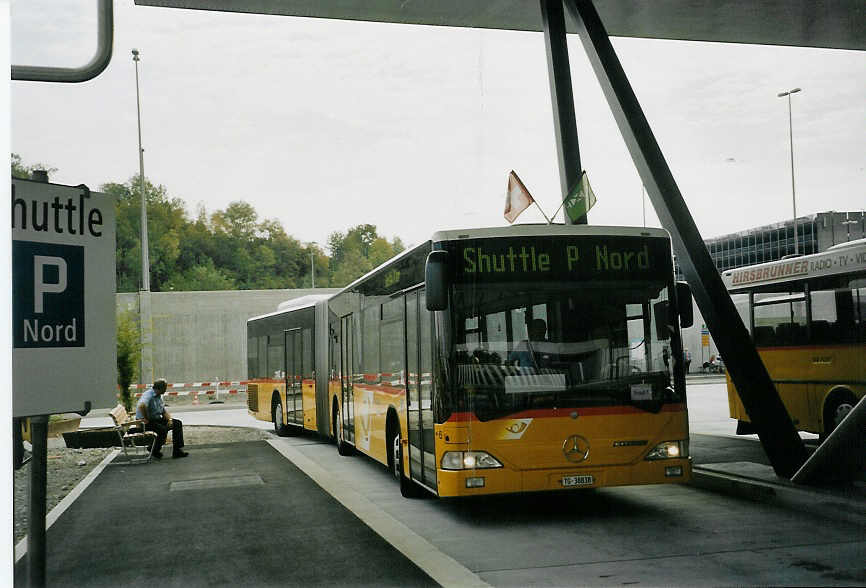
[{"x": 575, "y": 448}]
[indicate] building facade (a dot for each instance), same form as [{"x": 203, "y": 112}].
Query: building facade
[{"x": 815, "y": 233}]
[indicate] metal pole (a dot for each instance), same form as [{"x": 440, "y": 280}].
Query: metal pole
[
  {"x": 313, "y": 268},
  {"x": 36, "y": 540},
  {"x": 643, "y": 203},
  {"x": 145, "y": 257},
  {"x": 793, "y": 189},
  {"x": 562, "y": 97},
  {"x": 791, "y": 141}
]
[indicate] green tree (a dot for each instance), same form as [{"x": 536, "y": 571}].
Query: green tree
[
  {"x": 23, "y": 172},
  {"x": 380, "y": 252},
  {"x": 353, "y": 266},
  {"x": 166, "y": 222},
  {"x": 201, "y": 277},
  {"x": 358, "y": 251},
  {"x": 239, "y": 219},
  {"x": 128, "y": 354}
]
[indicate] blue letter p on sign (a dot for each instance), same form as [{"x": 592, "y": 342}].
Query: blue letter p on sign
[{"x": 47, "y": 295}]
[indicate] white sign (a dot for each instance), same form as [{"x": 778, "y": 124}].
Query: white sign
[
  {"x": 641, "y": 392},
  {"x": 63, "y": 299}
]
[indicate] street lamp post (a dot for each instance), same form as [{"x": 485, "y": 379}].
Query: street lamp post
[
  {"x": 313, "y": 264},
  {"x": 145, "y": 257},
  {"x": 791, "y": 139}
]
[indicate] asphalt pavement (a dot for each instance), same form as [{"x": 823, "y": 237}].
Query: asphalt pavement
[
  {"x": 263, "y": 513},
  {"x": 235, "y": 514}
]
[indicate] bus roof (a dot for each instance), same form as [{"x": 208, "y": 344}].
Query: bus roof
[
  {"x": 850, "y": 259},
  {"x": 543, "y": 230},
  {"x": 531, "y": 230},
  {"x": 293, "y": 304}
]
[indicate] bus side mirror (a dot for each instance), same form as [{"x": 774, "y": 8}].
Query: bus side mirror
[
  {"x": 661, "y": 316},
  {"x": 436, "y": 280},
  {"x": 684, "y": 305}
]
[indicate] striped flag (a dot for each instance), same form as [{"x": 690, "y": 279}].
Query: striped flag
[{"x": 517, "y": 198}]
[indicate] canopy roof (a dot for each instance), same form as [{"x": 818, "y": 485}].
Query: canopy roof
[{"x": 836, "y": 24}]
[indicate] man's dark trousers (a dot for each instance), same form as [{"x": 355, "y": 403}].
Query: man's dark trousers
[{"x": 161, "y": 428}]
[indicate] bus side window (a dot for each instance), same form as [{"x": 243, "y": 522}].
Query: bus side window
[
  {"x": 858, "y": 296},
  {"x": 252, "y": 358},
  {"x": 825, "y": 324}
]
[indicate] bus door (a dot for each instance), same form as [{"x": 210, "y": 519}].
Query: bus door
[
  {"x": 419, "y": 390},
  {"x": 293, "y": 350},
  {"x": 347, "y": 408}
]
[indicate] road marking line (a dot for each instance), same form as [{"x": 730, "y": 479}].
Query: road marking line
[
  {"x": 50, "y": 518},
  {"x": 441, "y": 567}
]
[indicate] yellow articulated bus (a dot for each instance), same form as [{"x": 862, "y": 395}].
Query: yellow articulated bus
[
  {"x": 516, "y": 359},
  {"x": 807, "y": 317},
  {"x": 281, "y": 352}
]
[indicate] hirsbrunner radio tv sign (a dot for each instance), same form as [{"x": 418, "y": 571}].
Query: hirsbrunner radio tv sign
[{"x": 63, "y": 299}]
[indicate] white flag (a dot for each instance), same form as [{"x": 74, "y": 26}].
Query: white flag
[{"x": 517, "y": 198}]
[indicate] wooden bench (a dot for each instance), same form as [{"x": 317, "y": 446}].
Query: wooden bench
[{"x": 136, "y": 443}]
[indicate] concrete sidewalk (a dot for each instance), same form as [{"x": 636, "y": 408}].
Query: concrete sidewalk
[
  {"x": 233, "y": 514},
  {"x": 739, "y": 466}
]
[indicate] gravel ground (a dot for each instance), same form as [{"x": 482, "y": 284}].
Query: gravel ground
[{"x": 67, "y": 467}]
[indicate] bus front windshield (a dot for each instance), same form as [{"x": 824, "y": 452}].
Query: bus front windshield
[{"x": 561, "y": 346}]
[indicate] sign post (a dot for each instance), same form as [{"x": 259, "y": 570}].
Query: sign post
[{"x": 64, "y": 356}]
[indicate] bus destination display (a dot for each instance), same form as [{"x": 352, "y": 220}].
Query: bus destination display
[{"x": 557, "y": 258}]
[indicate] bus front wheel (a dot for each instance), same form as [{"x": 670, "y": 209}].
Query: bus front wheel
[{"x": 408, "y": 488}]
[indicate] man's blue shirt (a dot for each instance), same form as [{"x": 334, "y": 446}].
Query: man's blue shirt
[{"x": 155, "y": 405}]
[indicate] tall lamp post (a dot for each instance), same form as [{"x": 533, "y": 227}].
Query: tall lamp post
[
  {"x": 313, "y": 264},
  {"x": 145, "y": 257},
  {"x": 791, "y": 139}
]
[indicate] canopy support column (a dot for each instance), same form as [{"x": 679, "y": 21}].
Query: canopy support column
[
  {"x": 562, "y": 98},
  {"x": 780, "y": 439}
]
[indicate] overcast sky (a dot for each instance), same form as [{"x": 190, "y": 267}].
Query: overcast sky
[{"x": 326, "y": 124}]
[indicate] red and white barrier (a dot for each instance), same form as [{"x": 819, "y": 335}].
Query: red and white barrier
[{"x": 185, "y": 389}]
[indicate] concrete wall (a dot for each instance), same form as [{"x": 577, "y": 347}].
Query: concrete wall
[{"x": 202, "y": 335}]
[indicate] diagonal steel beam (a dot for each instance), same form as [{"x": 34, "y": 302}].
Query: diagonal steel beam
[
  {"x": 562, "y": 98},
  {"x": 766, "y": 411}
]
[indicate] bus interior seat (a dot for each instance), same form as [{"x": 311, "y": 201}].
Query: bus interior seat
[
  {"x": 822, "y": 332},
  {"x": 790, "y": 334},
  {"x": 765, "y": 336}
]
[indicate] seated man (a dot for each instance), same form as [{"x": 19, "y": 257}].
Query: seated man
[
  {"x": 151, "y": 410},
  {"x": 523, "y": 354}
]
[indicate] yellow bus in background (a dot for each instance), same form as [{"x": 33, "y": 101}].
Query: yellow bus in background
[
  {"x": 516, "y": 359},
  {"x": 281, "y": 352},
  {"x": 807, "y": 317}
]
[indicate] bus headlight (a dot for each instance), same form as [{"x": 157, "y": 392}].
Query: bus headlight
[
  {"x": 669, "y": 450},
  {"x": 469, "y": 460}
]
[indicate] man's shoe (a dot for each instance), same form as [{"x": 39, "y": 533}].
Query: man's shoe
[
  {"x": 157, "y": 454},
  {"x": 179, "y": 454}
]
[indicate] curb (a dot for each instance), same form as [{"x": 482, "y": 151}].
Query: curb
[
  {"x": 848, "y": 505},
  {"x": 21, "y": 547}
]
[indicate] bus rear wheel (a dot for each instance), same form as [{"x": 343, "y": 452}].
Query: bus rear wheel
[
  {"x": 343, "y": 448},
  {"x": 835, "y": 411},
  {"x": 280, "y": 427}
]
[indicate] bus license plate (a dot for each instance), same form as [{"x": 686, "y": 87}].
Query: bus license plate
[{"x": 577, "y": 480}]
